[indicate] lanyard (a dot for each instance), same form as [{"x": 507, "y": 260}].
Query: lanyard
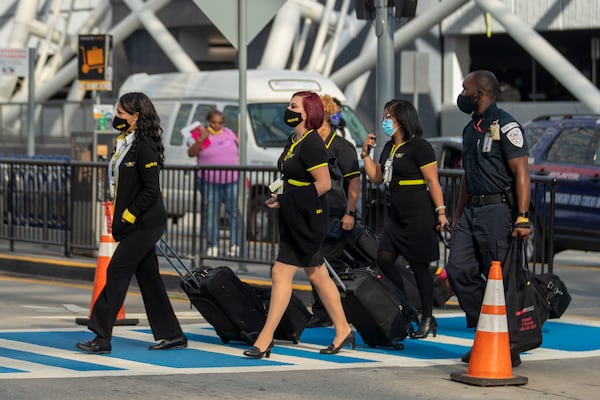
[{"x": 293, "y": 146}]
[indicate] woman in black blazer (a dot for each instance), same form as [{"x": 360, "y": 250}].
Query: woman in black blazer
[{"x": 139, "y": 221}]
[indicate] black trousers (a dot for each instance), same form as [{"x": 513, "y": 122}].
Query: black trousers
[
  {"x": 135, "y": 254},
  {"x": 483, "y": 235}
]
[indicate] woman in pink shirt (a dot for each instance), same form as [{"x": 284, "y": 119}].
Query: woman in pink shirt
[{"x": 217, "y": 145}]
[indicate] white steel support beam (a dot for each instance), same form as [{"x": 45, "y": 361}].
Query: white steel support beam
[
  {"x": 569, "y": 76},
  {"x": 68, "y": 73},
  {"x": 162, "y": 37},
  {"x": 281, "y": 39},
  {"x": 333, "y": 48},
  {"x": 319, "y": 42}
]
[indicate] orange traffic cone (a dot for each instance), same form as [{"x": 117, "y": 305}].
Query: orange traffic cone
[
  {"x": 490, "y": 363},
  {"x": 105, "y": 252}
]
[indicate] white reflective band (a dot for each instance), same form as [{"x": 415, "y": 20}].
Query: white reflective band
[
  {"x": 106, "y": 249},
  {"x": 492, "y": 323},
  {"x": 494, "y": 293}
]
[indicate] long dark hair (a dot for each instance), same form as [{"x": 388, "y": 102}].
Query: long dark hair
[
  {"x": 407, "y": 116},
  {"x": 148, "y": 122}
]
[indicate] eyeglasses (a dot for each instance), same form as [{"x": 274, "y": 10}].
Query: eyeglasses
[{"x": 386, "y": 116}]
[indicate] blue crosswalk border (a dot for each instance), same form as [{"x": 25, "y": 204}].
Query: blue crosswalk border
[{"x": 48, "y": 354}]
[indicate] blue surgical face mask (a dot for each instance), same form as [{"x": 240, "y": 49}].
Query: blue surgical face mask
[
  {"x": 388, "y": 126},
  {"x": 336, "y": 118}
]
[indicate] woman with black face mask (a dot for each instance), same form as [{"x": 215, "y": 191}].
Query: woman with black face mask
[
  {"x": 139, "y": 220},
  {"x": 303, "y": 223}
]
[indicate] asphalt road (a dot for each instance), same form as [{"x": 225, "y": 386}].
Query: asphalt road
[{"x": 50, "y": 306}]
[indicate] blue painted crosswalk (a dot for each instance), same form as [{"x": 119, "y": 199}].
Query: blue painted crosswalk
[{"x": 38, "y": 353}]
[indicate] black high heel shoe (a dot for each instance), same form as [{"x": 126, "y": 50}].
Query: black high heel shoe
[
  {"x": 331, "y": 349},
  {"x": 428, "y": 324},
  {"x": 254, "y": 352}
]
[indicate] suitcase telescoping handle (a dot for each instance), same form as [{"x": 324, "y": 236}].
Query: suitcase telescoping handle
[
  {"x": 182, "y": 265},
  {"x": 335, "y": 276}
]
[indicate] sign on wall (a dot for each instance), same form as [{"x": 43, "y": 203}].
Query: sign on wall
[
  {"x": 95, "y": 62},
  {"x": 14, "y": 62}
]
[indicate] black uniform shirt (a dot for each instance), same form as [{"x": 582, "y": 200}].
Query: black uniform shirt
[
  {"x": 344, "y": 153},
  {"x": 487, "y": 172},
  {"x": 300, "y": 158},
  {"x": 407, "y": 185}
]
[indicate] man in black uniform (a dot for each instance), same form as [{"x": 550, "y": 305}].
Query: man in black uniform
[{"x": 494, "y": 198}]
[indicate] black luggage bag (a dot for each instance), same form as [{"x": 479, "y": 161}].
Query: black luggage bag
[
  {"x": 227, "y": 303},
  {"x": 376, "y": 308},
  {"x": 294, "y": 319},
  {"x": 441, "y": 292}
]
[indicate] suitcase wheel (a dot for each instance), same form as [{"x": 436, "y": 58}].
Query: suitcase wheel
[{"x": 397, "y": 345}]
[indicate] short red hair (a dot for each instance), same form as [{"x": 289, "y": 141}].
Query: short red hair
[{"x": 313, "y": 107}]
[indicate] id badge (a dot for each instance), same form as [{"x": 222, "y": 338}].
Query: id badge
[
  {"x": 276, "y": 186},
  {"x": 495, "y": 130},
  {"x": 487, "y": 143},
  {"x": 387, "y": 171}
]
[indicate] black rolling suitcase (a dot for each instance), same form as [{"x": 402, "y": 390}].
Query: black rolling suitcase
[
  {"x": 377, "y": 309},
  {"x": 294, "y": 319},
  {"x": 228, "y": 304}
]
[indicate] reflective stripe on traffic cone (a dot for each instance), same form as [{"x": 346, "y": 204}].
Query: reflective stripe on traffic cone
[
  {"x": 490, "y": 363},
  {"x": 105, "y": 252}
]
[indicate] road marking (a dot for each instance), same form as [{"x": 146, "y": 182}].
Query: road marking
[{"x": 43, "y": 353}]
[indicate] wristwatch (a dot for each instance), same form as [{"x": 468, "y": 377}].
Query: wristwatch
[
  {"x": 350, "y": 213},
  {"x": 524, "y": 214}
]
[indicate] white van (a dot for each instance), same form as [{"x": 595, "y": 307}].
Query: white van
[{"x": 182, "y": 98}]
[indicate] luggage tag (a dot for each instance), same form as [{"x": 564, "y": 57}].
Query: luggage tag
[
  {"x": 495, "y": 130},
  {"x": 387, "y": 171},
  {"x": 276, "y": 186},
  {"x": 487, "y": 143}
]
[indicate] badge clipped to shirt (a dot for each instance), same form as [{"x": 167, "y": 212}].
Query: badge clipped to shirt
[
  {"x": 276, "y": 186},
  {"x": 487, "y": 143},
  {"x": 495, "y": 130},
  {"x": 387, "y": 171}
]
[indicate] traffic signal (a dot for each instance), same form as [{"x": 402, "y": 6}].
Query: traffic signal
[{"x": 365, "y": 9}]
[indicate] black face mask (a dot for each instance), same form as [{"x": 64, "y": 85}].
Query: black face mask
[
  {"x": 292, "y": 118},
  {"x": 120, "y": 124},
  {"x": 466, "y": 104}
]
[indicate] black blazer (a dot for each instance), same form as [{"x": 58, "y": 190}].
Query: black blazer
[{"x": 138, "y": 197}]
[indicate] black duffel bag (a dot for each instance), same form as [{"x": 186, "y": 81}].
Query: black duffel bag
[{"x": 555, "y": 292}]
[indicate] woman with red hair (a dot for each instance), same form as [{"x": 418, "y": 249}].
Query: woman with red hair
[{"x": 303, "y": 224}]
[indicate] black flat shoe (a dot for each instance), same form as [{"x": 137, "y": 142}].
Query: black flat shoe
[
  {"x": 331, "y": 349},
  {"x": 428, "y": 324},
  {"x": 94, "y": 347},
  {"x": 254, "y": 352},
  {"x": 174, "y": 343}
]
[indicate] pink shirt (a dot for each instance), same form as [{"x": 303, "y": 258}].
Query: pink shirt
[{"x": 222, "y": 150}]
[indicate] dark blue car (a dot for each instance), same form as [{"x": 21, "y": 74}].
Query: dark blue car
[{"x": 567, "y": 147}]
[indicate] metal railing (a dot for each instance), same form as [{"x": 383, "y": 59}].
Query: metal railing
[{"x": 57, "y": 203}]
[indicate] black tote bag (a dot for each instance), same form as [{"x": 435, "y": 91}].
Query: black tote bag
[{"x": 525, "y": 308}]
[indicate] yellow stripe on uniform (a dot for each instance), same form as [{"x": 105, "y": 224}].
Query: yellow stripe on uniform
[
  {"x": 295, "y": 182},
  {"x": 316, "y": 166},
  {"x": 427, "y": 165},
  {"x": 410, "y": 182}
]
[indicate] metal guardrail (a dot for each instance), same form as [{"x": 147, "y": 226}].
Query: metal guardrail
[{"x": 58, "y": 203}]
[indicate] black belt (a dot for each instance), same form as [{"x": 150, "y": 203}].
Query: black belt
[{"x": 487, "y": 199}]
